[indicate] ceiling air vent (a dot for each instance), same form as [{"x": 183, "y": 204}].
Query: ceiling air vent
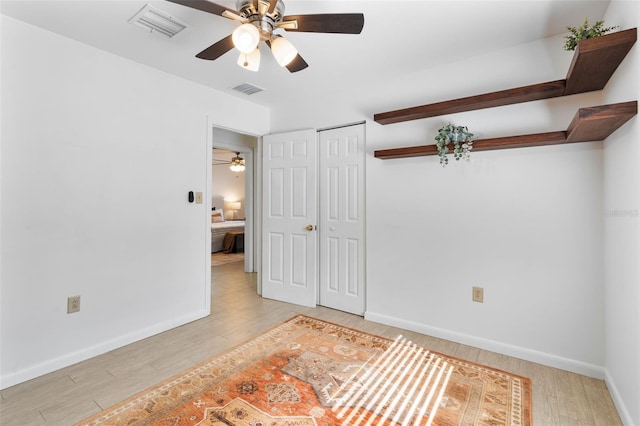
[
  {"x": 247, "y": 88},
  {"x": 157, "y": 21}
]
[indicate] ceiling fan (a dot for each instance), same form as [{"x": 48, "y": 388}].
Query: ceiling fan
[
  {"x": 259, "y": 19},
  {"x": 236, "y": 164}
]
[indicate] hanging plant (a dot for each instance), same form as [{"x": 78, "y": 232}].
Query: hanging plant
[
  {"x": 584, "y": 32},
  {"x": 461, "y": 139}
]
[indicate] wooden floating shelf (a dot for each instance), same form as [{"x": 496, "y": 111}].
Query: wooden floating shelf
[
  {"x": 597, "y": 123},
  {"x": 589, "y": 124},
  {"x": 594, "y": 62},
  {"x": 596, "y": 59}
]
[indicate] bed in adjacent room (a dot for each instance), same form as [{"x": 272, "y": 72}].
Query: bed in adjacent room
[{"x": 221, "y": 227}]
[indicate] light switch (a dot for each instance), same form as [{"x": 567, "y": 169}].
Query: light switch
[{"x": 198, "y": 197}]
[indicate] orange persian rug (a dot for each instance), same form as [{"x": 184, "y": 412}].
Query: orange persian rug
[{"x": 311, "y": 372}]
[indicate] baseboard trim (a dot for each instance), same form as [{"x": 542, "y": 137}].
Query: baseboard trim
[
  {"x": 623, "y": 412},
  {"x": 21, "y": 376},
  {"x": 532, "y": 355}
]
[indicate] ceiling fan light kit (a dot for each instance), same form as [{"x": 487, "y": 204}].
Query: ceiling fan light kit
[
  {"x": 283, "y": 50},
  {"x": 259, "y": 19},
  {"x": 237, "y": 163},
  {"x": 246, "y": 38}
]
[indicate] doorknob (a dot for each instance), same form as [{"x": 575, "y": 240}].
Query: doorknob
[{"x": 309, "y": 228}]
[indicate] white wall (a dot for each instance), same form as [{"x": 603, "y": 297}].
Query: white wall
[
  {"x": 622, "y": 231},
  {"x": 525, "y": 224},
  {"x": 98, "y": 154}
]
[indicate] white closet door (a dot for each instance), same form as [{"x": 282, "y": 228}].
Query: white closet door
[
  {"x": 342, "y": 226},
  {"x": 289, "y": 237}
]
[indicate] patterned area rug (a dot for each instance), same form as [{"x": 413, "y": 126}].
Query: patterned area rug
[
  {"x": 311, "y": 372},
  {"x": 221, "y": 258}
]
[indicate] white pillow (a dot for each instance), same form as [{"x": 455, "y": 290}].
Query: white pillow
[{"x": 217, "y": 216}]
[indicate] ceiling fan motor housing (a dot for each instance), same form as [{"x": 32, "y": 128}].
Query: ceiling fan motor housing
[{"x": 261, "y": 18}]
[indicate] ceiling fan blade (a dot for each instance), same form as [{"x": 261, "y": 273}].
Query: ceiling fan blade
[
  {"x": 260, "y": 7},
  {"x": 343, "y": 23},
  {"x": 217, "y": 49},
  {"x": 298, "y": 64},
  {"x": 272, "y": 5},
  {"x": 207, "y": 6}
]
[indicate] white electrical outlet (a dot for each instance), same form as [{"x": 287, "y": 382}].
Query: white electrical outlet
[
  {"x": 73, "y": 304},
  {"x": 198, "y": 197},
  {"x": 478, "y": 294}
]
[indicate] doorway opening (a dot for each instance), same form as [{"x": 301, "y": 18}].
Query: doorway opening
[
  {"x": 227, "y": 207},
  {"x": 232, "y": 199}
]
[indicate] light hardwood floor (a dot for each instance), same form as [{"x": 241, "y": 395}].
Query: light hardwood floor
[{"x": 238, "y": 314}]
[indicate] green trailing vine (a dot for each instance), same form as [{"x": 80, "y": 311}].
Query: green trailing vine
[
  {"x": 461, "y": 139},
  {"x": 584, "y": 32}
]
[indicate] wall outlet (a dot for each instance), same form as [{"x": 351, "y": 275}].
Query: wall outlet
[
  {"x": 73, "y": 304},
  {"x": 478, "y": 294},
  {"x": 198, "y": 197}
]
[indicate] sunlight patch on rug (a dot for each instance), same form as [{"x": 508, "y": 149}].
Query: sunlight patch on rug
[{"x": 401, "y": 386}]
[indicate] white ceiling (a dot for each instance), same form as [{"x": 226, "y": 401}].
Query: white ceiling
[{"x": 399, "y": 38}]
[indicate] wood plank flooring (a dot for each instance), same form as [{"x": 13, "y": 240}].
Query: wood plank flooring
[{"x": 238, "y": 314}]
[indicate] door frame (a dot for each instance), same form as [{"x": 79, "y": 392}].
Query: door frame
[{"x": 254, "y": 167}]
